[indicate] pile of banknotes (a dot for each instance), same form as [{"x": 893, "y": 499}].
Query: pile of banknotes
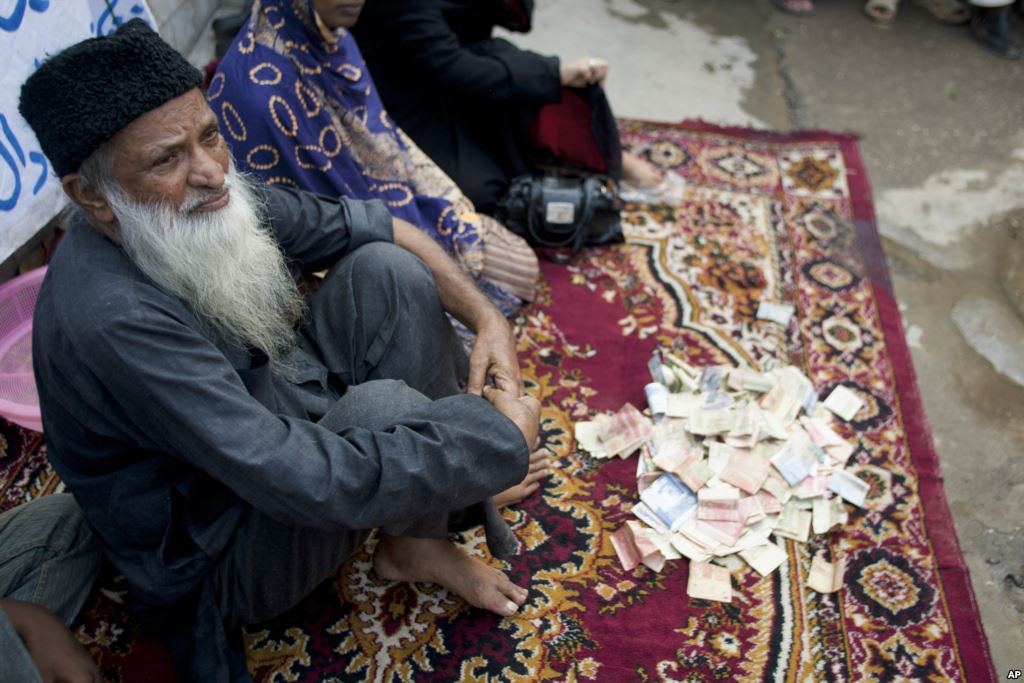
[{"x": 732, "y": 462}]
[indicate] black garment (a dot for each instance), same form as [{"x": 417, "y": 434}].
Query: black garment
[
  {"x": 179, "y": 445},
  {"x": 467, "y": 99}
]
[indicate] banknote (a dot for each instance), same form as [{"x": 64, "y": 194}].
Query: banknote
[
  {"x": 712, "y": 379},
  {"x": 695, "y": 531},
  {"x": 826, "y": 514},
  {"x": 745, "y": 471},
  {"x": 676, "y": 458},
  {"x": 689, "y": 549},
  {"x": 794, "y": 523},
  {"x": 704, "y": 422},
  {"x": 797, "y": 385},
  {"x": 852, "y": 488},
  {"x": 663, "y": 542},
  {"x": 777, "y": 487},
  {"x": 655, "y": 367},
  {"x": 772, "y": 426},
  {"x": 780, "y": 313},
  {"x": 709, "y": 582},
  {"x": 813, "y": 486},
  {"x": 670, "y": 499},
  {"x": 625, "y": 548},
  {"x": 588, "y": 439},
  {"x": 825, "y": 576},
  {"x": 697, "y": 475},
  {"x": 648, "y": 546},
  {"x": 634, "y": 545},
  {"x": 781, "y": 403},
  {"x": 747, "y": 379},
  {"x": 725, "y": 533},
  {"x": 769, "y": 503},
  {"x": 718, "y": 456},
  {"x": 731, "y": 562},
  {"x": 752, "y": 509},
  {"x": 682, "y": 405},
  {"x": 657, "y": 399},
  {"x": 719, "y": 503},
  {"x": 844, "y": 403},
  {"x": 821, "y": 433},
  {"x": 647, "y": 516},
  {"x": 625, "y": 432},
  {"x": 765, "y": 558},
  {"x": 794, "y": 462}
]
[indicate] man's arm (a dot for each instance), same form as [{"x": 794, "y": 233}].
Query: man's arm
[
  {"x": 316, "y": 230},
  {"x": 180, "y": 395},
  {"x": 494, "y": 352}
]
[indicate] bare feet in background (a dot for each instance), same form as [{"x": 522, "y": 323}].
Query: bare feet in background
[
  {"x": 432, "y": 560},
  {"x": 637, "y": 171},
  {"x": 643, "y": 182}
]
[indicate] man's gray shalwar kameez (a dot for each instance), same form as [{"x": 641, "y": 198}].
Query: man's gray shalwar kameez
[{"x": 224, "y": 492}]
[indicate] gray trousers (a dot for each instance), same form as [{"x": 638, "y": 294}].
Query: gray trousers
[
  {"x": 377, "y": 323},
  {"x": 47, "y": 557}
]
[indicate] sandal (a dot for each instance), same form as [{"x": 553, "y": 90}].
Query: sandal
[
  {"x": 798, "y": 8},
  {"x": 882, "y": 12},
  {"x": 953, "y": 12}
]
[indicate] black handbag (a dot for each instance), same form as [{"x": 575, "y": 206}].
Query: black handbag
[{"x": 562, "y": 211}]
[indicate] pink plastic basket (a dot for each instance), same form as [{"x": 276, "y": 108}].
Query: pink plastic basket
[{"x": 19, "y": 401}]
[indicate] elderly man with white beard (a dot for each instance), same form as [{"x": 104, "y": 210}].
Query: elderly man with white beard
[{"x": 229, "y": 445}]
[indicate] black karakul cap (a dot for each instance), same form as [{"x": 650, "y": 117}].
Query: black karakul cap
[{"x": 82, "y": 96}]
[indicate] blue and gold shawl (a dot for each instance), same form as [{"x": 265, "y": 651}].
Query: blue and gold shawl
[{"x": 298, "y": 107}]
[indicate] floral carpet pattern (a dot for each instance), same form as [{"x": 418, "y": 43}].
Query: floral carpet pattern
[{"x": 765, "y": 217}]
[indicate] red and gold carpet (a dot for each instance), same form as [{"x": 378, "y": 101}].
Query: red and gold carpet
[{"x": 786, "y": 218}]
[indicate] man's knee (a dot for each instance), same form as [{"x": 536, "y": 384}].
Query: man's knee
[
  {"x": 374, "y": 405},
  {"x": 55, "y": 523},
  {"x": 385, "y": 268}
]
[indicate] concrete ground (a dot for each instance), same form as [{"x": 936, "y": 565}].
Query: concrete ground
[{"x": 944, "y": 146}]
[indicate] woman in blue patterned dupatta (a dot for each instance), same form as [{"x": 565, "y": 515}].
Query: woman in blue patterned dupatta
[{"x": 298, "y": 107}]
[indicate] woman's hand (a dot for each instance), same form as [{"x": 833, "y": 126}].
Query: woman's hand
[{"x": 584, "y": 71}]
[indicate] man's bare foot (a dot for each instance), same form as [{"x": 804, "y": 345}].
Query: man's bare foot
[
  {"x": 640, "y": 171},
  {"x": 434, "y": 560},
  {"x": 539, "y": 469}
]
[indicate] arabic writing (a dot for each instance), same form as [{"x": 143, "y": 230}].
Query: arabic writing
[
  {"x": 12, "y": 22},
  {"x": 109, "y": 19},
  {"x": 16, "y": 166}
]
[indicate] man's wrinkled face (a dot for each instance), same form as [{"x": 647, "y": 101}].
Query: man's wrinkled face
[
  {"x": 339, "y": 13},
  {"x": 195, "y": 227},
  {"x": 174, "y": 155}
]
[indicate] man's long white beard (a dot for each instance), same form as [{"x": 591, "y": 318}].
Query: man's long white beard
[{"x": 224, "y": 264}]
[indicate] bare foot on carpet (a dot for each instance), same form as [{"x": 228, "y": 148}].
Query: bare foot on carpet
[
  {"x": 434, "y": 560},
  {"x": 639, "y": 171},
  {"x": 539, "y": 469}
]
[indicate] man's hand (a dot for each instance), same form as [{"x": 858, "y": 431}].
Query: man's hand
[
  {"x": 494, "y": 356},
  {"x": 54, "y": 651},
  {"x": 582, "y": 72},
  {"x": 523, "y": 410}
]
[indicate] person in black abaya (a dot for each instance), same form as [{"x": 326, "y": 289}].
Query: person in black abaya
[{"x": 484, "y": 110}]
